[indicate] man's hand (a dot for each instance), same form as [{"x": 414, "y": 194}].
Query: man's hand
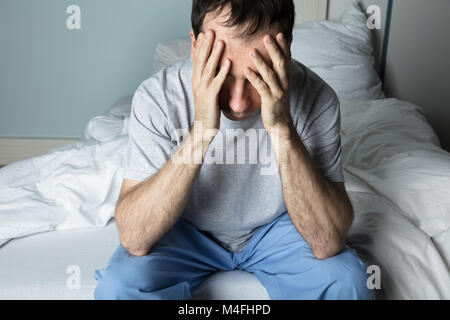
[
  {"x": 274, "y": 85},
  {"x": 205, "y": 84}
]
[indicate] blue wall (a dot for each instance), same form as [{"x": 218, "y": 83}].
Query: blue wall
[{"x": 53, "y": 80}]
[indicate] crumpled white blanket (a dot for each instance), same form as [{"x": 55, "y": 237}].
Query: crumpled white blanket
[
  {"x": 398, "y": 179},
  {"x": 72, "y": 187},
  {"x": 397, "y": 176}
]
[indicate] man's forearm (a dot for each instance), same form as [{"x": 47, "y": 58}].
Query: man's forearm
[
  {"x": 319, "y": 211},
  {"x": 147, "y": 212}
]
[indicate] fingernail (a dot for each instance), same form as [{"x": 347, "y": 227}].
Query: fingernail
[
  {"x": 268, "y": 39},
  {"x": 254, "y": 54}
]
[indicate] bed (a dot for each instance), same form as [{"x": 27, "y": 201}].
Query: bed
[{"x": 56, "y": 211}]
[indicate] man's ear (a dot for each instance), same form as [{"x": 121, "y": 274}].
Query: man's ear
[{"x": 193, "y": 43}]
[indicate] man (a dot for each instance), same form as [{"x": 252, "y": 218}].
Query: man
[{"x": 181, "y": 218}]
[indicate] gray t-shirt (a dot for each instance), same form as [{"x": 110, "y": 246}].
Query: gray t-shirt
[{"x": 238, "y": 188}]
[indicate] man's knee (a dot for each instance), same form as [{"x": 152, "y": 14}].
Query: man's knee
[
  {"x": 110, "y": 287},
  {"x": 123, "y": 277},
  {"x": 347, "y": 276}
]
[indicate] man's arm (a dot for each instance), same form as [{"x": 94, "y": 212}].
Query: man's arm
[
  {"x": 321, "y": 211},
  {"x": 147, "y": 211}
]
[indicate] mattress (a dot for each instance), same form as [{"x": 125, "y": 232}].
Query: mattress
[
  {"x": 36, "y": 267},
  {"x": 44, "y": 266}
]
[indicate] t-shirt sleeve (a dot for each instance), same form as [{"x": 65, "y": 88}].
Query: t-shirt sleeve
[
  {"x": 322, "y": 137},
  {"x": 150, "y": 145}
]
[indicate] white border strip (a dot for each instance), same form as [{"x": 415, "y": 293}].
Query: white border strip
[{"x": 17, "y": 149}]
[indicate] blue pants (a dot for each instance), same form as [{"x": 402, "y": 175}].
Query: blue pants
[{"x": 276, "y": 254}]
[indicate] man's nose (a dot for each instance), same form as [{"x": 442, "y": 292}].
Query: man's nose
[{"x": 239, "y": 100}]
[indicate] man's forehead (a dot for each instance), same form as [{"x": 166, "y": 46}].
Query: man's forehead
[
  {"x": 236, "y": 49},
  {"x": 217, "y": 23}
]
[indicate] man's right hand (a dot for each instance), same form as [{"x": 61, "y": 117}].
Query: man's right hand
[{"x": 206, "y": 84}]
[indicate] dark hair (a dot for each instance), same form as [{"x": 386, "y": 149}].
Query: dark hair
[{"x": 250, "y": 17}]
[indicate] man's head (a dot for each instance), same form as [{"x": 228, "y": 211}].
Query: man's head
[{"x": 241, "y": 25}]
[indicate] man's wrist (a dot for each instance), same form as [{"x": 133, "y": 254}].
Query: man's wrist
[
  {"x": 284, "y": 138},
  {"x": 285, "y": 131},
  {"x": 202, "y": 135},
  {"x": 194, "y": 147},
  {"x": 200, "y": 140}
]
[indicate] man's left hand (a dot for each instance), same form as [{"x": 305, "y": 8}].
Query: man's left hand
[{"x": 273, "y": 85}]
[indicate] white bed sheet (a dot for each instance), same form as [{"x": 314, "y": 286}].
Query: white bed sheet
[
  {"x": 411, "y": 265},
  {"x": 442, "y": 243},
  {"x": 399, "y": 224},
  {"x": 38, "y": 268}
]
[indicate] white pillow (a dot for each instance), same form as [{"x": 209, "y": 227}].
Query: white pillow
[
  {"x": 341, "y": 53},
  {"x": 169, "y": 52}
]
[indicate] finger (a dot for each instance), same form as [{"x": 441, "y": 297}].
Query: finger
[
  {"x": 211, "y": 67},
  {"x": 267, "y": 73},
  {"x": 284, "y": 45},
  {"x": 197, "y": 71},
  {"x": 205, "y": 50},
  {"x": 280, "y": 63},
  {"x": 202, "y": 52},
  {"x": 219, "y": 80},
  {"x": 257, "y": 82}
]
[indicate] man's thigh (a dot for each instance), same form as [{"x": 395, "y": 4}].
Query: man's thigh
[
  {"x": 172, "y": 270},
  {"x": 284, "y": 263}
]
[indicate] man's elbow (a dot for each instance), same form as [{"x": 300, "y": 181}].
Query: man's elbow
[
  {"x": 328, "y": 250},
  {"x": 335, "y": 242},
  {"x": 128, "y": 238},
  {"x": 137, "y": 252},
  {"x": 133, "y": 249},
  {"x": 131, "y": 243}
]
